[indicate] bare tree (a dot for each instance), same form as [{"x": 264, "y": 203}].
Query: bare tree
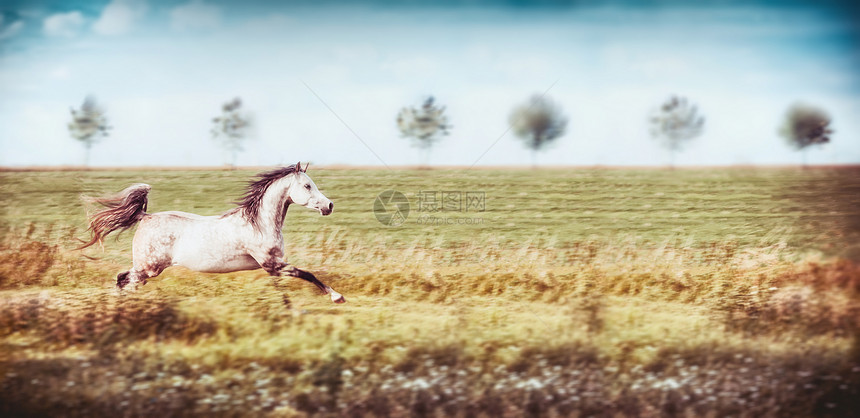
[
  {"x": 88, "y": 125},
  {"x": 538, "y": 122},
  {"x": 805, "y": 126},
  {"x": 231, "y": 128},
  {"x": 425, "y": 125},
  {"x": 674, "y": 123}
]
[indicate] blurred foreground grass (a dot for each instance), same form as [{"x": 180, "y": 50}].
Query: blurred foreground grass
[{"x": 579, "y": 292}]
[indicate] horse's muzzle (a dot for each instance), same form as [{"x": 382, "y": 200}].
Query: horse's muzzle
[{"x": 327, "y": 211}]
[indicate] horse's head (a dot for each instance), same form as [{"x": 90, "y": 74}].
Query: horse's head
[{"x": 304, "y": 192}]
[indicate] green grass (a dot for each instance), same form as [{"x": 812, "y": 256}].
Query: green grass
[
  {"x": 805, "y": 207},
  {"x": 580, "y": 292}
]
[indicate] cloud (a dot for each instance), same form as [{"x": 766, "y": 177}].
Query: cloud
[
  {"x": 269, "y": 24},
  {"x": 195, "y": 15},
  {"x": 120, "y": 16},
  {"x": 64, "y": 25},
  {"x": 663, "y": 67},
  {"x": 412, "y": 67},
  {"x": 11, "y": 29},
  {"x": 60, "y": 73}
]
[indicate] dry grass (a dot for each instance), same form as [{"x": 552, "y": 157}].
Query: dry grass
[{"x": 455, "y": 324}]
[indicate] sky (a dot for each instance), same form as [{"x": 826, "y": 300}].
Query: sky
[{"x": 323, "y": 80}]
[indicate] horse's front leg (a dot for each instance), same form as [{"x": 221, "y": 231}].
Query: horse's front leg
[
  {"x": 307, "y": 276},
  {"x": 275, "y": 266}
]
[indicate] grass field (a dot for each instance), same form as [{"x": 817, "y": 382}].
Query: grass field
[{"x": 574, "y": 292}]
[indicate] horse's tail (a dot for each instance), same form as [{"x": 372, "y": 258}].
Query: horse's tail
[{"x": 123, "y": 211}]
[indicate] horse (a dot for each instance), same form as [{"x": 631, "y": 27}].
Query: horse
[{"x": 246, "y": 237}]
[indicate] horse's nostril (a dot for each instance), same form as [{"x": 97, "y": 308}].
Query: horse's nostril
[{"x": 330, "y": 206}]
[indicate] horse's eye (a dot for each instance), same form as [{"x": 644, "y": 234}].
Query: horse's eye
[{"x": 307, "y": 186}]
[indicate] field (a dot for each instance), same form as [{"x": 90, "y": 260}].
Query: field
[{"x": 566, "y": 292}]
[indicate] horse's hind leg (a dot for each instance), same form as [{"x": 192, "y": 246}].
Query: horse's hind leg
[
  {"x": 133, "y": 277},
  {"x": 122, "y": 279},
  {"x": 307, "y": 276}
]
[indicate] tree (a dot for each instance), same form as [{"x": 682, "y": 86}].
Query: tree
[
  {"x": 674, "y": 123},
  {"x": 425, "y": 125},
  {"x": 805, "y": 126},
  {"x": 88, "y": 125},
  {"x": 538, "y": 122},
  {"x": 231, "y": 128}
]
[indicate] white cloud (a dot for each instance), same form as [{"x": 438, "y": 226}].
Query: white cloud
[
  {"x": 120, "y": 16},
  {"x": 195, "y": 15},
  {"x": 661, "y": 67},
  {"x": 412, "y": 67},
  {"x": 11, "y": 29},
  {"x": 60, "y": 73},
  {"x": 64, "y": 25}
]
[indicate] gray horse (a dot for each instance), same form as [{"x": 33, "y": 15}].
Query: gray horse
[{"x": 247, "y": 237}]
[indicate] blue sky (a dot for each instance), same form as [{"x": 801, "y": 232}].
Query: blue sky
[{"x": 162, "y": 69}]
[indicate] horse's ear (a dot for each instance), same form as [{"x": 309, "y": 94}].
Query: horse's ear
[
  {"x": 305, "y": 170},
  {"x": 299, "y": 167}
]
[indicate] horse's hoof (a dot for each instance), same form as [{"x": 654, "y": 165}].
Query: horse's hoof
[
  {"x": 122, "y": 280},
  {"x": 337, "y": 298}
]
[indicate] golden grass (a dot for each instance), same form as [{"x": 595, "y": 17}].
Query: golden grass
[{"x": 455, "y": 324}]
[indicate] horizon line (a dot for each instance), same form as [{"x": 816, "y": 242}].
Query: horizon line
[{"x": 409, "y": 167}]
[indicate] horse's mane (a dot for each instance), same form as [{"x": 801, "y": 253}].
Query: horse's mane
[{"x": 252, "y": 200}]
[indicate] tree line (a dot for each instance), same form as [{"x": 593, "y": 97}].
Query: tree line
[{"x": 539, "y": 122}]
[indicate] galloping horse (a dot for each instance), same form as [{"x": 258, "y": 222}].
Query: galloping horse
[{"x": 247, "y": 237}]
